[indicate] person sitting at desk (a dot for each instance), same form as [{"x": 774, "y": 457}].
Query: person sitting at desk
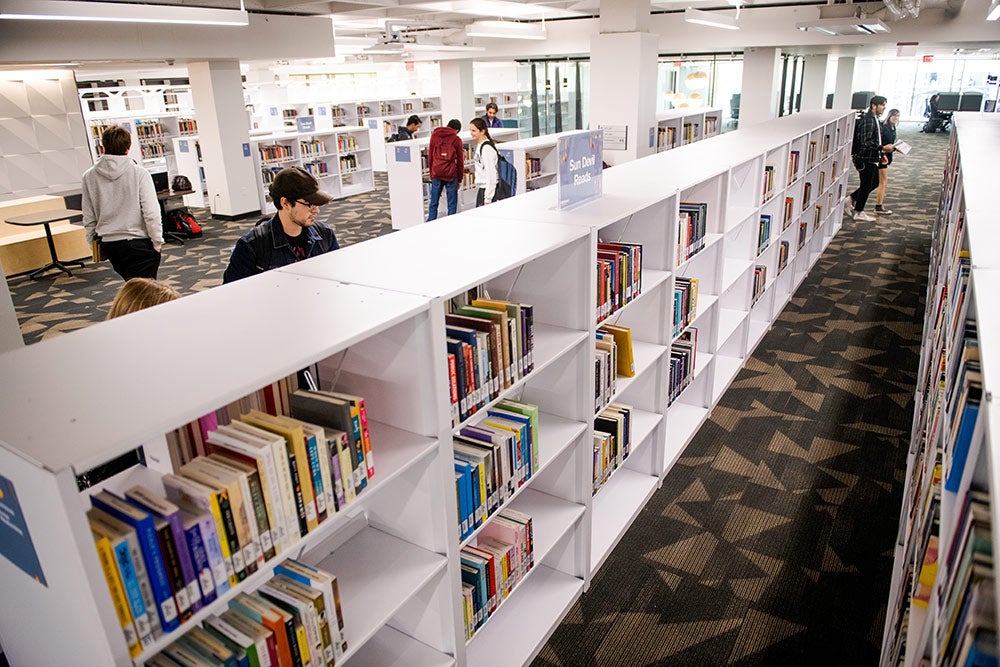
[{"x": 119, "y": 207}]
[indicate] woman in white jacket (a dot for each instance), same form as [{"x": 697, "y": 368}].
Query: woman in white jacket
[
  {"x": 120, "y": 207},
  {"x": 486, "y": 157}
]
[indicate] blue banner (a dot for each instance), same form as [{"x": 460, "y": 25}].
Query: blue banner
[
  {"x": 581, "y": 166},
  {"x": 15, "y": 540}
]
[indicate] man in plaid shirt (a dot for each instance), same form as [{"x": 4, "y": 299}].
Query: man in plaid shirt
[{"x": 867, "y": 152}]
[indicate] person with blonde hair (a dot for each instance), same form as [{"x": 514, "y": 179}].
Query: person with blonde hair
[{"x": 140, "y": 293}]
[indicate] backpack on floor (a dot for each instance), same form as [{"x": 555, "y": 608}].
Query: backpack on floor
[{"x": 181, "y": 222}]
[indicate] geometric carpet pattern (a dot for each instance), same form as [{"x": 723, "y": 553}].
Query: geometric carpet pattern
[
  {"x": 57, "y": 303},
  {"x": 771, "y": 540}
]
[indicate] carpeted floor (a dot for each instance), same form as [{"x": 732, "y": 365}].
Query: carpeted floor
[{"x": 770, "y": 542}]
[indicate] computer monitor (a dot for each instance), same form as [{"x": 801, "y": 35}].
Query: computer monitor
[
  {"x": 948, "y": 102},
  {"x": 861, "y": 99},
  {"x": 161, "y": 181},
  {"x": 971, "y": 102}
]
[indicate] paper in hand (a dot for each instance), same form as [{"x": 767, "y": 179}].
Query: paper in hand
[{"x": 902, "y": 147}]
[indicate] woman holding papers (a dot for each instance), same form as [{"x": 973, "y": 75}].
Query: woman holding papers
[{"x": 888, "y": 137}]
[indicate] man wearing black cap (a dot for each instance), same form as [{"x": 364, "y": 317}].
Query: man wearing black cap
[{"x": 291, "y": 235}]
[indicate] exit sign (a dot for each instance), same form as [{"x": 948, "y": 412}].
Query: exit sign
[{"x": 928, "y": 59}]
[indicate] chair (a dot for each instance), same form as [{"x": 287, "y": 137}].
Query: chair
[{"x": 734, "y": 106}]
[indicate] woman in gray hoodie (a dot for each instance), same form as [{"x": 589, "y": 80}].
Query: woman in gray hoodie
[{"x": 120, "y": 207}]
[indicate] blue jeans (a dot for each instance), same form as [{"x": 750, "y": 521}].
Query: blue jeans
[{"x": 451, "y": 192}]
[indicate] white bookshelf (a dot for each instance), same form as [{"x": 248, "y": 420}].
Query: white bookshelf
[
  {"x": 966, "y": 223},
  {"x": 188, "y": 161},
  {"x": 409, "y": 177},
  {"x": 339, "y": 157},
  {"x": 535, "y": 159},
  {"x": 396, "y": 550},
  {"x": 506, "y": 102},
  {"x": 679, "y": 127}
]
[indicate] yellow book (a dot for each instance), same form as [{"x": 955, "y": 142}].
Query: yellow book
[
  {"x": 303, "y": 642},
  {"x": 117, "y": 594},
  {"x": 295, "y": 441},
  {"x": 623, "y": 341}
]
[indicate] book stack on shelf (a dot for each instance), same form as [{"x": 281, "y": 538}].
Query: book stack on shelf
[
  {"x": 683, "y": 126},
  {"x": 942, "y": 604},
  {"x": 409, "y": 592},
  {"x": 691, "y": 230},
  {"x": 764, "y": 235}
]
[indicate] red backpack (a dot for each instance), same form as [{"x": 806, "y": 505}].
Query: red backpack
[
  {"x": 181, "y": 222},
  {"x": 445, "y": 167}
]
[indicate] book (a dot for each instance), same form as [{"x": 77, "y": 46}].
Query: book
[
  {"x": 623, "y": 343},
  {"x": 366, "y": 439},
  {"x": 316, "y": 598},
  {"x": 197, "y": 497},
  {"x": 307, "y": 631},
  {"x": 142, "y": 522},
  {"x": 251, "y": 487},
  {"x": 328, "y": 411},
  {"x": 198, "y": 549},
  {"x": 326, "y": 583},
  {"x": 208, "y": 646},
  {"x": 277, "y": 620},
  {"x": 121, "y": 603},
  {"x": 265, "y": 644},
  {"x": 236, "y": 640}
]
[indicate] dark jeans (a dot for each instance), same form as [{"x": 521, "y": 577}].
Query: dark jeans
[
  {"x": 451, "y": 193},
  {"x": 132, "y": 258},
  {"x": 868, "y": 174}
]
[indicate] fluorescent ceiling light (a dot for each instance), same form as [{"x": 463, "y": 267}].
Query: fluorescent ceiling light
[
  {"x": 994, "y": 11},
  {"x": 713, "y": 19},
  {"x": 505, "y": 9},
  {"x": 847, "y": 25},
  {"x": 505, "y": 30},
  {"x": 69, "y": 10}
]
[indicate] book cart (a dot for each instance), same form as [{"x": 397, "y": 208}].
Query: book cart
[
  {"x": 942, "y": 603},
  {"x": 395, "y": 551},
  {"x": 679, "y": 127},
  {"x": 409, "y": 177},
  {"x": 339, "y": 158}
]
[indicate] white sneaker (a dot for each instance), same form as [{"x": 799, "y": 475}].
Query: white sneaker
[
  {"x": 849, "y": 211},
  {"x": 862, "y": 216}
]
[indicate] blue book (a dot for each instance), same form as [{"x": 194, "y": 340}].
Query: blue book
[
  {"x": 142, "y": 522},
  {"x": 199, "y": 556},
  {"x": 525, "y": 436},
  {"x": 961, "y": 451},
  {"x": 312, "y": 450},
  {"x": 462, "y": 468}
]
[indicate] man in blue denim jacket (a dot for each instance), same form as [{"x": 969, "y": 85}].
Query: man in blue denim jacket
[{"x": 291, "y": 235}]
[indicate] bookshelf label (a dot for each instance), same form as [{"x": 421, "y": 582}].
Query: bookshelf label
[
  {"x": 581, "y": 161},
  {"x": 305, "y": 124},
  {"x": 616, "y": 136},
  {"x": 183, "y": 146},
  {"x": 15, "y": 540},
  {"x": 246, "y": 150},
  {"x": 402, "y": 153}
]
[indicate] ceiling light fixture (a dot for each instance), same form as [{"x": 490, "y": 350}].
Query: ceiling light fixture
[
  {"x": 506, "y": 30},
  {"x": 117, "y": 12},
  {"x": 713, "y": 19},
  {"x": 847, "y": 25},
  {"x": 994, "y": 12}
]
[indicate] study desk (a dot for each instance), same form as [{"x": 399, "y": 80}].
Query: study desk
[{"x": 45, "y": 218}]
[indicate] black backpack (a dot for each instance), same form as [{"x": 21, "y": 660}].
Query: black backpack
[{"x": 263, "y": 246}]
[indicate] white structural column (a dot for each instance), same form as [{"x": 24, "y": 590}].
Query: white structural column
[
  {"x": 761, "y": 83},
  {"x": 224, "y": 135},
  {"x": 845, "y": 83},
  {"x": 814, "y": 82},
  {"x": 623, "y": 79},
  {"x": 457, "y": 98}
]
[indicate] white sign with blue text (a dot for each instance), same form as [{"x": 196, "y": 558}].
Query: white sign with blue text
[{"x": 581, "y": 166}]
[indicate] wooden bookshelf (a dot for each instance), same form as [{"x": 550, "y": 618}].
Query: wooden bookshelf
[
  {"x": 961, "y": 316},
  {"x": 371, "y": 316}
]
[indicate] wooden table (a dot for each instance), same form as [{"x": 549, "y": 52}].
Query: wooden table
[{"x": 44, "y": 218}]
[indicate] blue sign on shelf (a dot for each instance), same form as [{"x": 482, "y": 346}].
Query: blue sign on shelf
[
  {"x": 246, "y": 150},
  {"x": 652, "y": 137},
  {"x": 273, "y": 110},
  {"x": 15, "y": 540},
  {"x": 581, "y": 167},
  {"x": 322, "y": 111},
  {"x": 372, "y": 124},
  {"x": 183, "y": 146},
  {"x": 305, "y": 124},
  {"x": 402, "y": 153}
]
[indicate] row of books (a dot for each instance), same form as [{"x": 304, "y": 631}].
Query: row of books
[
  {"x": 493, "y": 458},
  {"x": 348, "y": 163},
  {"x": 503, "y": 554},
  {"x": 605, "y": 368},
  {"x": 152, "y": 150},
  {"x": 149, "y": 129},
  {"x": 316, "y": 168},
  {"x": 691, "y": 132},
  {"x": 666, "y": 137},
  {"x": 806, "y": 194},
  {"x": 294, "y": 619},
  {"x": 763, "y": 233},
  {"x": 962, "y": 406},
  {"x": 490, "y": 347},
  {"x": 347, "y": 142},
  {"x": 532, "y": 167},
  {"x": 612, "y": 441},
  {"x": 711, "y": 124},
  {"x": 619, "y": 276},
  {"x": 691, "y": 229},
  {"x": 685, "y": 302},
  {"x": 274, "y": 151},
  {"x": 683, "y": 354},
  {"x": 759, "y": 281},
  {"x": 768, "y": 183},
  {"x": 793, "y": 166},
  {"x": 314, "y": 147},
  {"x": 789, "y": 212},
  {"x": 266, "y": 482},
  {"x": 811, "y": 152},
  {"x": 803, "y": 230},
  {"x": 187, "y": 126}
]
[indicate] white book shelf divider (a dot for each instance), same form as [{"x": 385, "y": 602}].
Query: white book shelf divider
[
  {"x": 376, "y": 328},
  {"x": 339, "y": 157},
  {"x": 951, "y": 457},
  {"x": 409, "y": 178}
]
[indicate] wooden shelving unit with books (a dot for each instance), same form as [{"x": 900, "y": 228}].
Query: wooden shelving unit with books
[
  {"x": 339, "y": 157},
  {"x": 409, "y": 178},
  {"x": 372, "y": 320},
  {"x": 942, "y": 602},
  {"x": 679, "y": 127}
]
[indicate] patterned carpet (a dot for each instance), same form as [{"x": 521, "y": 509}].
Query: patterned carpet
[
  {"x": 770, "y": 542},
  {"x": 58, "y": 303}
]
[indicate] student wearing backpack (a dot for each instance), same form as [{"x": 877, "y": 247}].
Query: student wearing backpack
[
  {"x": 408, "y": 131},
  {"x": 486, "y": 157},
  {"x": 446, "y": 159},
  {"x": 291, "y": 235}
]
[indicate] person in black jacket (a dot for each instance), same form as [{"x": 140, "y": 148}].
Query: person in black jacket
[
  {"x": 868, "y": 152},
  {"x": 888, "y": 137}
]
